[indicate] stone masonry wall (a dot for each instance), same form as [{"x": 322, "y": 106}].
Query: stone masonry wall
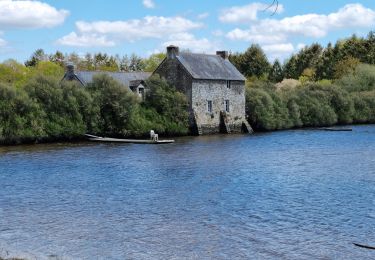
[
  {"x": 176, "y": 75},
  {"x": 217, "y": 92}
]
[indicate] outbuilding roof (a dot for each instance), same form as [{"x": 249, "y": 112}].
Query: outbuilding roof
[
  {"x": 204, "y": 66},
  {"x": 123, "y": 77}
]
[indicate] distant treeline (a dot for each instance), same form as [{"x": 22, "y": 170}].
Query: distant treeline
[
  {"x": 98, "y": 61},
  {"x": 311, "y": 63}
]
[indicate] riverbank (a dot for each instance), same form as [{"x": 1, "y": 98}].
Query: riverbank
[{"x": 83, "y": 138}]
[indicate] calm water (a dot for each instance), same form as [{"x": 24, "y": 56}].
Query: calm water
[{"x": 284, "y": 195}]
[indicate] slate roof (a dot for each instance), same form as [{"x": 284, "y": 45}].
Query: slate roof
[
  {"x": 123, "y": 77},
  {"x": 204, "y": 66}
]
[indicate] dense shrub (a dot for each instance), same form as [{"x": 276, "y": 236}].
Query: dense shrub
[
  {"x": 20, "y": 117},
  {"x": 114, "y": 105},
  {"x": 59, "y": 107},
  {"x": 44, "y": 108},
  {"x": 170, "y": 104},
  {"x": 362, "y": 79},
  {"x": 364, "y": 104},
  {"x": 350, "y": 99}
]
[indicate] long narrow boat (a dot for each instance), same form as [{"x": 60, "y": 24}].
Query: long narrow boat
[
  {"x": 95, "y": 138},
  {"x": 338, "y": 129}
]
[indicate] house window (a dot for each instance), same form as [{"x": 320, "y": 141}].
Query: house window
[
  {"x": 226, "y": 105},
  {"x": 228, "y": 84},
  {"x": 209, "y": 106},
  {"x": 141, "y": 92}
]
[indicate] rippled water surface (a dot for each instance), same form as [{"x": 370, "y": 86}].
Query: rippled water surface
[{"x": 285, "y": 195}]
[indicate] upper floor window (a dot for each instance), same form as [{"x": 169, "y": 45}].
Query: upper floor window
[
  {"x": 209, "y": 106},
  {"x": 228, "y": 84},
  {"x": 227, "y": 105}
]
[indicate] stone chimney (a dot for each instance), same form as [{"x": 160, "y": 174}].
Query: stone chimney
[
  {"x": 70, "y": 70},
  {"x": 223, "y": 54},
  {"x": 172, "y": 51}
]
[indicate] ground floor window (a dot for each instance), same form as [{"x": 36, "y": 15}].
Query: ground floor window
[
  {"x": 141, "y": 92},
  {"x": 226, "y": 105},
  {"x": 209, "y": 106}
]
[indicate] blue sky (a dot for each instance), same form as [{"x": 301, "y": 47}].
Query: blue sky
[{"x": 148, "y": 26}]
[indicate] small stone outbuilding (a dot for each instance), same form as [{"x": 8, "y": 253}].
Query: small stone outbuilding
[
  {"x": 214, "y": 87},
  {"x": 134, "y": 80}
]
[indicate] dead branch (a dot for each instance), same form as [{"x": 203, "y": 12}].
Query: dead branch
[{"x": 274, "y": 3}]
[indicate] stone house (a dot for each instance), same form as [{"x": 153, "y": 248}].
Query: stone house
[
  {"x": 214, "y": 87},
  {"x": 134, "y": 80}
]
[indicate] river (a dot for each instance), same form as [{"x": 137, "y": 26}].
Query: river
[{"x": 298, "y": 194}]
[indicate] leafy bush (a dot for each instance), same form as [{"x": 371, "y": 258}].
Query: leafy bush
[
  {"x": 169, "y": 103},
  {"x": 115, "y": 105},
  {"x": 363, "y": 79},
  {"x": 20, "y": 117},
  {"x": 312, "y": 104},
  {"x": 364, "y": 104}
]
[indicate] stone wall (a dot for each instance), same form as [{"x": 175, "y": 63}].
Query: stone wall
[
  {"x": 176, "y": 75},
  {"x": 217, "y": 92}
]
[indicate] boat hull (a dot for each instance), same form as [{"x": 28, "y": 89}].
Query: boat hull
[{"x": 130, "y": 141}]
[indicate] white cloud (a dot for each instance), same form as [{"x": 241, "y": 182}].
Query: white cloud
[
  {"x": 155, "y": 27},
  {"x": 190, "y": 42},
  {"x": 300, "y": 46},
  {"x": 148, "y": 3},
  {"x": 29, "y": 14},
  {"x": 148, "y": 27},
  {"x": 217, "y": 33},
  {"x": 86, "y": 40},
  {"x": 247, "y": 13},
  {"x": 309, "y": 25},
  {"x": 3, "y": 43},
  {"x": 203, "y": 16},
  {"x": 278, "y": 51},
  {"x": 250, "y": 36}
]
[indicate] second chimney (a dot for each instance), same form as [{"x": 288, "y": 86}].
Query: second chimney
[
  {"x": 70, "y": 70},
  {"x": 223, "y": 54},
  {"x": 172, "y": 51}
]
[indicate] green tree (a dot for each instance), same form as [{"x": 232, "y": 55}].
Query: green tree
[
  {"x": 169, "y": 103},
  {"x": 345, "y": 66},
  {"x": 326, "y": 63},
  {"x": 13, "y": 73},
  {"x": 20, "y": 117},
  {"x": 60, "y": 116},
  {"x": 276, "y": 73},
  {"x": 136, "y": 63},
  {"x": 48, "y": 69},
  {"x": 308, "y": 57},
  {"x": 252, "y": 63},
  {"x": 153, "y": 61},
  {"x": 57, "y": 58},
  {"x": 115, "y": 103},
  {"x": 37, "y": 56}
]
